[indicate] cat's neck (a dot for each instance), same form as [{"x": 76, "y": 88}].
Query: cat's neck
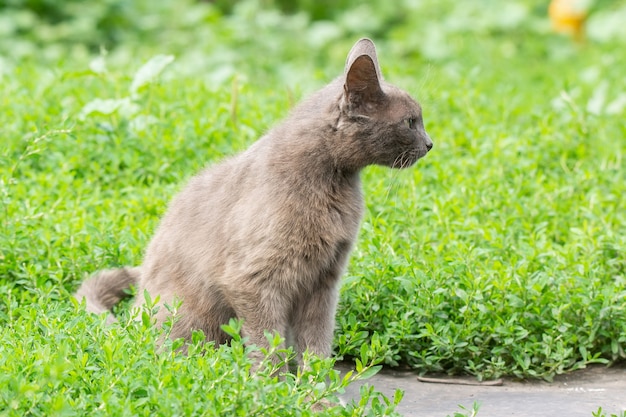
[
  {"x": 310, "y": 142},
  {"x": 305, "y": 153}
]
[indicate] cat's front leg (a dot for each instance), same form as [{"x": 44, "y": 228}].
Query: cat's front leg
[
  {"x": 261, "y": 314},
  {"x": 313, "y": 322}
]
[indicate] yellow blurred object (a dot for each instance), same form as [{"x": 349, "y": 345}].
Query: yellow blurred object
[{"x": 568, "y": 16}]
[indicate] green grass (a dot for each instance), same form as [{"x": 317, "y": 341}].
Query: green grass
[
  {"x": 501, "y": 253},
  {"x": 600, "y": 413}
]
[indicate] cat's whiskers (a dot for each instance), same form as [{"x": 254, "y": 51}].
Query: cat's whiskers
[
  {"x": 395, "y": 173},
  {"x": 394, "y": 184},
  {"x": 402, "y": 160}
]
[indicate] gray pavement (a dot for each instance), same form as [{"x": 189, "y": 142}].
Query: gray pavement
[{"x": 579, "y": 393}]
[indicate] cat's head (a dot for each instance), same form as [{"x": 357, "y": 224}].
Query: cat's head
[{"x": 382, "y": 121}]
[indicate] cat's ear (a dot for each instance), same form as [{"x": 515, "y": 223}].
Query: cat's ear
[
  {"x": 363, "y": 77},
  {"x": 363, "y": 46}
]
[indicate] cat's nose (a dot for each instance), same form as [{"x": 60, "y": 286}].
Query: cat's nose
[{"x": 429, "y": 143}]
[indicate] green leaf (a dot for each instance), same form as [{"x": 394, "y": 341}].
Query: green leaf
[
  {"x": 370, "y": 372},
  {"x": 150, "y": 71}
]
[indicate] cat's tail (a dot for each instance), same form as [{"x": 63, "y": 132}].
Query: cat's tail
[{"x": 106, "y": 288}]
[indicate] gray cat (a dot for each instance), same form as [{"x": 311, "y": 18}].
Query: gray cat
[{"x": 264, "y": 236}]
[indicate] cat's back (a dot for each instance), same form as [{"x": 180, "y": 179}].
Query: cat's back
[{"x": 210, "y": 196}]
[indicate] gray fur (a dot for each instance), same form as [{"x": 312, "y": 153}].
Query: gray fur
[
  {"x": 265, "y": 235},
  {"x": 105, "y": 289}
]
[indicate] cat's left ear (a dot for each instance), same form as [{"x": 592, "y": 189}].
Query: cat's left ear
[
  {"x": 363, "y": 76},
  {"x": 363, "y": 46}
]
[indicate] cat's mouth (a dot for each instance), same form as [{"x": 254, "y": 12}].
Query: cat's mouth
[
  {"x": 410, "y": 156},
  {"x": 407, "y": 158}
]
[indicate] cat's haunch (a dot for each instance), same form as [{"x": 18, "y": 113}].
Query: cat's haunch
[{"x": 265, "y": 235}]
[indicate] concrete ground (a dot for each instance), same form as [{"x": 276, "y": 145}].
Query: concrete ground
[{"x": 579, "y": 393}]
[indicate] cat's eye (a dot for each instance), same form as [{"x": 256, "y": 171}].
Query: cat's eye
[{"x": 410, "y": 122}]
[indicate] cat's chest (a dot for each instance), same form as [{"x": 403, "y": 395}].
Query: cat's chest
[
  {"x": 319, "y": 233},
  {"x": 336, "y": 209},
  {"x": 282, "y": 231},
  {"x": 347, "y": 213},
  {"x": 327, "y": 230},
  {"x": 312, "y": 220}
]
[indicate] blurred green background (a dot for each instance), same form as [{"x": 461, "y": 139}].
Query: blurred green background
[
  {"x": 502, "y": 252},
  {"x": 206, "y": 34}
]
